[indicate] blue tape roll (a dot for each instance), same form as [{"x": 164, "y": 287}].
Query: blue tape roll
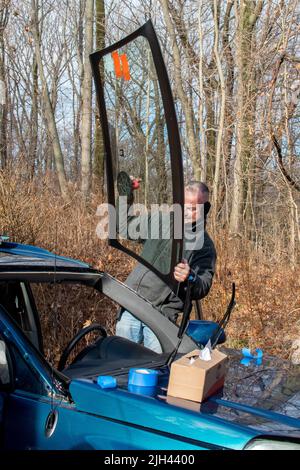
[
  {"x": 143, "y": 377},
  {"x": 149, "y": 391}
]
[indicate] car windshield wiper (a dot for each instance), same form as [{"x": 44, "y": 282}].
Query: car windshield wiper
[
  {"x": 184, "y": 321},
  {"x": 225, "y": 319}
]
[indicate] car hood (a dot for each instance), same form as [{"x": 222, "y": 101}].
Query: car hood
[
  {"x": 256, "y": 400},
  {"x": 265, "y": 397}
]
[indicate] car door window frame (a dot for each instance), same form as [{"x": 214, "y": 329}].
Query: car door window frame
[
  {"x": 55, "y": 384},
  {"x": 19, "y": 304}
]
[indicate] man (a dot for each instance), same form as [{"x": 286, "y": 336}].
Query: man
[{"x": 199, "y": 263}]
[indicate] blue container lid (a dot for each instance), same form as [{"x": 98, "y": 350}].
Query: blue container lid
[
  {"x": 203, "y": 330},
  {"x": 106, "y": 381}
]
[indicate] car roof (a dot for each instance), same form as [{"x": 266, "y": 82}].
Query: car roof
[{"x": 13, "y": 255}]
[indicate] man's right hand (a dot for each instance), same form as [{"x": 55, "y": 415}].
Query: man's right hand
[{"x": 182, "y": 271}]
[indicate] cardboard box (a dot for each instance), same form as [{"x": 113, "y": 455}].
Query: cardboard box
[{"x": 198, "y": 380}]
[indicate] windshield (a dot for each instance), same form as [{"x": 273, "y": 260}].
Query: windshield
[
  {"x": 136, "y": 121},
  {"x": 144, "y": 168}
]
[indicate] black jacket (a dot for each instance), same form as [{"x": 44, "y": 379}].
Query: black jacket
[{"x": 151, "y": 287}]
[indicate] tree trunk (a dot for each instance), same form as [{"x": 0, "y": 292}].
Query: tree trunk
[
  {"x": 186, "y": 102},
  {"x": 77, "y": 94},
  {"x": 203, "y": 147},
  {"x": 4, "y": 14},
  {"x": 216, "y": 180},
  {"x": 49, "y": 114},
  {"x": 34, "y": 121},
  {"x": 229, "y": 117},
  {"x": 99, "y": 144},
  {"x": 86, "y": 124},
  {"x": 160, "y": 155},
  {"x": 247, "y": 13}
]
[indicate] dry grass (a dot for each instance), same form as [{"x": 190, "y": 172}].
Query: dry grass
[
  {"x": 268, "y": 301},
  {"x": 267, "y": 313}
]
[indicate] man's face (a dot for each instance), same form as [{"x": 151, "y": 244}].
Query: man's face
[{"x": 192, "y": 208}]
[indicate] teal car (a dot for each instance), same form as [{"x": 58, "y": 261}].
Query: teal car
[{"x": 43, "y": 408}]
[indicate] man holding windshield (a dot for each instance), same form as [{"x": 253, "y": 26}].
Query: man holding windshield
[{"x": 197, "y": 265}]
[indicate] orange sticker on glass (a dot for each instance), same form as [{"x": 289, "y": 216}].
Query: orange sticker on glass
[
  {"x": 117, "y": 64},
  {"x": 125, "y": 67}
]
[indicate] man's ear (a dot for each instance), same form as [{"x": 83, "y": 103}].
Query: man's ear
[{"x": 207, "y": 207}]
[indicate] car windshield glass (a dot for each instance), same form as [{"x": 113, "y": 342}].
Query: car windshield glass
[
  {"x": 140, "y": 150},
  {"x": 144, "y": 170},
  {"x": 137, "y": 121}
]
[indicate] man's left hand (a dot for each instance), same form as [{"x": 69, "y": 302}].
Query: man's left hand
[{"x": 182, "y": 271}]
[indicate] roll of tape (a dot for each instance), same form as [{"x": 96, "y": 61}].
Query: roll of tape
[
  {"x": 143, "y": 377},
  {"x": 149, "y": 391}
]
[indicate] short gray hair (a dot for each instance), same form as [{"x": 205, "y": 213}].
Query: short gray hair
[{"x": 195, "y": 186}]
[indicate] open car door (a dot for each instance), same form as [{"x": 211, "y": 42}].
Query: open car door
[{"x": 141, "y": 140}]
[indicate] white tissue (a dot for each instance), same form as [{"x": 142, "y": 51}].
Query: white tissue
[{"x": 205, "y": 354}]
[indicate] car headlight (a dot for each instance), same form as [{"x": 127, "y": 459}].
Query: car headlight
[{"x": 272, "y": 444}]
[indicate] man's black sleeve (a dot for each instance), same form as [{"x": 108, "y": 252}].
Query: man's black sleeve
[{"x": 203, "y": 268}]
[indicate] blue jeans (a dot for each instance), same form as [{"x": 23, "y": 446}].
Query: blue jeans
[{"x": 131, "y": 328}]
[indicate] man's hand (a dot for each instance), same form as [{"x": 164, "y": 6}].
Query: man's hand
[
  {"x": 135, "y": 182},
  {"x": 182, "y": 271}
]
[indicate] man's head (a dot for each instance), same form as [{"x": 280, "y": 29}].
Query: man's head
[{"x": 195, "y": 193}]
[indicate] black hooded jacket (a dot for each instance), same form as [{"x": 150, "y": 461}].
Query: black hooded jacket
[{"x": 151, "y": 287}]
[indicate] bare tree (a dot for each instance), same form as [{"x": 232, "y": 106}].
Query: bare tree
[
  {"x": 247, "y": 14},
  {"x": 216, "y": 180},
  {"x": 49, "y": 114},
  {"x": 185, "y": 100},
  {"x": 4, "y": 15},
  {"x": 99, "y": 144},
  {"x": 203, "y": 146},
  {"x": 86, "y": 125}
]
